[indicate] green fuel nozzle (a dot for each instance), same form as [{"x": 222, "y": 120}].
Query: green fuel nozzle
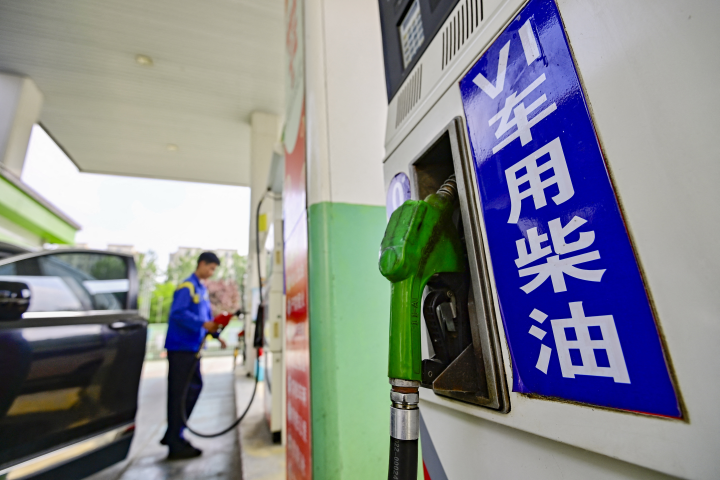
[{"x": 420, "y": 241}]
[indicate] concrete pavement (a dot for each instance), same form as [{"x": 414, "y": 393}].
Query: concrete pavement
[
  {"x": 261, "y": 458},
  {"x": 214, "y": 411}
]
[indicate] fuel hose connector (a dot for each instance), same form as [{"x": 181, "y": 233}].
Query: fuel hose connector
[
  {"x": 421, "y": 240},
  {"x": 404, "y": 429}
]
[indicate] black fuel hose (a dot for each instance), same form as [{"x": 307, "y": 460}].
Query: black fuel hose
[
  {"x": 186, "y": 389},
  {"x": 183, "y": 404},
  {"x": 403, "y": 459}
]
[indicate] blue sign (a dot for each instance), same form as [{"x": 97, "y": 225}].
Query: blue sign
[
  {"x": 577, "y": 316},
  {"x": 398, "y": 192}
]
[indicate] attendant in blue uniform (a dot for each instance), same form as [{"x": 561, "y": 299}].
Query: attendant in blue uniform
[{"x": 189, "y": 322}]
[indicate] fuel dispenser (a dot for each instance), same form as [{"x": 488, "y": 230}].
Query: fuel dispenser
[
  {"x": 457, "y": 309},
  {"x": 420, "y": 243},
  {"x": 520, "y": 308},
  {"x": 274, "y": 308},
  {"x": 437, "y": 276}
]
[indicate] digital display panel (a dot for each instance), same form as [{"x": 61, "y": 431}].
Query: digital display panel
[{"x": 412, "y": 35}]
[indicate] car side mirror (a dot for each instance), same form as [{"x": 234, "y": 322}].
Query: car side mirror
[{"x": 14, "y": 300}]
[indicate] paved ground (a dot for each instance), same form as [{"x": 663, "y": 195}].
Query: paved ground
[
  {"x": 261, "y": 459},
  {"x": 214, "y": 411}
]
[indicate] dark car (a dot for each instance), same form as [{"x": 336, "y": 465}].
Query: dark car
[
  {"x": 9, "y": 249},
  {"x": 71, "y": 352}
]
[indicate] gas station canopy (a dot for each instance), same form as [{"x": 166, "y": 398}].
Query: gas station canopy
[{"x": 161, "y": 89}]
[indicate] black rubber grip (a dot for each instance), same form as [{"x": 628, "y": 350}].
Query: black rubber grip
[{"x": 403, "y": 459}]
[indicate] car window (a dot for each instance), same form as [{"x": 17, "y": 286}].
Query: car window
[
  {"x": 73, "y": 281},
  {"x": 8, "y": 269},
  {"x": 49, "y": 294}
]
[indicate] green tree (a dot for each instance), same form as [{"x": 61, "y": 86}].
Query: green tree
[
  {"x": 233, "y": 273},
  {"x": 108, "y": 267},
  {"x": 226, "y": 288},
  {"x": 147, "y": 269},
  {"x": 162, "y": 298},
  {"x": 180, "y": 267},
  {"x": 240, "y": 267},
  {"x": 224, "y": 296},
  {"x": 147, "y": 273}
]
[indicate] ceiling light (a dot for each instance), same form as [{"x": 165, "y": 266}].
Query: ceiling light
[
  {"x": 144, "y": 60},
  {"x": 172, "y": 147}
]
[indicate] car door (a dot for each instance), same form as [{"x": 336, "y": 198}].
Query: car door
[{"x": 70, "y": 366}]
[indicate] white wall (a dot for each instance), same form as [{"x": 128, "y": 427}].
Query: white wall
[{"x": 346, "y": 101}]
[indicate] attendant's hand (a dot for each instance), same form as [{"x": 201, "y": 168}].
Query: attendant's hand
[
  {"x": 211, "y": 327},
  {"x": 223, "y": 345}
]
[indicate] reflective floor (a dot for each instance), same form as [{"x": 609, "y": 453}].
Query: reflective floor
[
  {"x": 214, "y": 411},
  {"x": 261, "y": 459}
]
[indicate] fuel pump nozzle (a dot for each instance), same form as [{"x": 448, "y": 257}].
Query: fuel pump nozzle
[{"x": 420, "y": 241}]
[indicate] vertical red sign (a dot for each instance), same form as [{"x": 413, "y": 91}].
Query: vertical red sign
[
  {"x": 299, "y": 445},
  {"x": 297, "y": 348}
]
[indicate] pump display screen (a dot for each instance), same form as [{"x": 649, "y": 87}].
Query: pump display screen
[
  {"x": 408, "y": 28},
  {"x": 412, "y": 35}
]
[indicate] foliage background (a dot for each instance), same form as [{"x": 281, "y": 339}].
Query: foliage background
[{"x": 226, "y": 288}]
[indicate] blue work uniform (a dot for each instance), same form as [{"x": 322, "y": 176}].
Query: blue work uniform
[{"x": 190, "y": 309}]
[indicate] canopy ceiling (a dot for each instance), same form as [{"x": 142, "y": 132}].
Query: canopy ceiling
[{"x": 213, "y": 63}]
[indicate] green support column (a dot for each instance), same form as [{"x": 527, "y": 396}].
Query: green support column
[{"x": 349, "y": 322}]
